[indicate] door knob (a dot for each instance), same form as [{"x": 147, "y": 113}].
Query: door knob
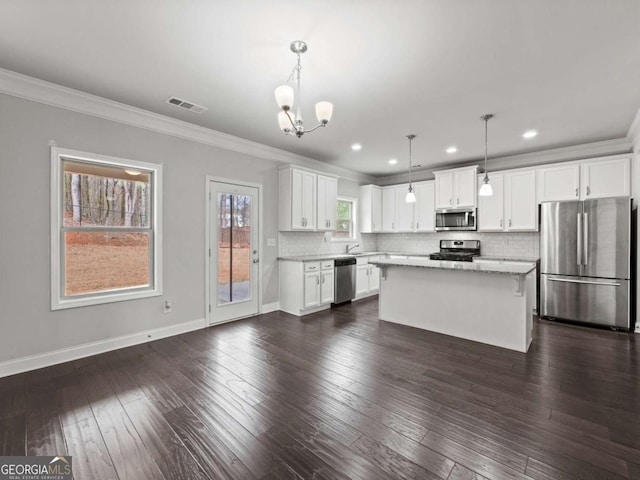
[{"x": 256, "y": 260}]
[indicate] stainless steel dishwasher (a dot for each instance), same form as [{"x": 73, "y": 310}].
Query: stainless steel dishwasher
[{"x": 345, "y": 275}]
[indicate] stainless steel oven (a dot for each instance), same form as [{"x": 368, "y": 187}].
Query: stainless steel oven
[{"x": 455, "y": 219}]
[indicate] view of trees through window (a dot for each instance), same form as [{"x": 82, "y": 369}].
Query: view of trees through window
[
  {"x": 344, "y": 222},
  {"x": 106, "y": 228},
  {"x": 234, "y": 248}
]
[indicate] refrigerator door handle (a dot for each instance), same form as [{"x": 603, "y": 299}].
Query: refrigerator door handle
[
  {"x": 579, "y": 240},
  {"x": 570, "y": 280},
  {"x": 585, "y": 241}
]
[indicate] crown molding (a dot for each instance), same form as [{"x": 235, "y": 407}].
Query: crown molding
[
  {"x": 634, "y": 132},
  {"x": 36, "y": 90},
  {"x": 555, "y": 155}
]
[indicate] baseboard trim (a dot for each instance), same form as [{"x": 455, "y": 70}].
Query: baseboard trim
[
  {"x": 270, "y": 307},
  {"x": 33, "y": 362}
]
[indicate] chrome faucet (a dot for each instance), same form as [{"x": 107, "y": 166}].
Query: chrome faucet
[{"x": 349, "y": 248}]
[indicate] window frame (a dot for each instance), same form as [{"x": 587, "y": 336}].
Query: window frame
[
  {"x": 354, "y": 220},
  {"x": 59, "y": 300}
]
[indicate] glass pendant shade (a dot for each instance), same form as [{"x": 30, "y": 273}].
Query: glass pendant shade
[
  {"x": 284, "y": 122},
  {"x": 284, "y": 96},
  {"x": 485, "y": 189},
  {"x": 324, "y": 111},
  {"x": 411, "y": 197}
]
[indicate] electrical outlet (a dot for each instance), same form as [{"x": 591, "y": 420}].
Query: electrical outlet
[{"x": 167, "y": 306}]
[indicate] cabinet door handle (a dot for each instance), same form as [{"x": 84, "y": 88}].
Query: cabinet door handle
[
  {"x": 500, "y": 223},
  {"x": 509, "y": 222},
  {"x": 317, "y": 280},
  {"x": 417, "y": 225},
  {"x": 323, "y": 279},
  {"x": 576, "y": 191},
  {"x": 450, "y": 201},
  {"x": 588, "y": 190},
  {"x": 457, "y": 201}
]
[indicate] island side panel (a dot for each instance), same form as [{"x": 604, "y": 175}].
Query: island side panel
[{"x": 476, "y": 306}]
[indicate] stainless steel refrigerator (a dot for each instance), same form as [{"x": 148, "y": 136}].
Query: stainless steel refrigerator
[{"x": 585, "y": 261}]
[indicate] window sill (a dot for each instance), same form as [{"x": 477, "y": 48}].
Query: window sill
[{"x": 63, "y": 304}]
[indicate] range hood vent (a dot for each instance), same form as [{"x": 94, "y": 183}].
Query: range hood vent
[{"x": 192, "y": 107}]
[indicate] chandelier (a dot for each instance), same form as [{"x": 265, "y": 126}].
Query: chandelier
[{"x": 290, "y": 123}]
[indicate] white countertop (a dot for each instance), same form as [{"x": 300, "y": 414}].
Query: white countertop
[{"x": 511, "y": 268}]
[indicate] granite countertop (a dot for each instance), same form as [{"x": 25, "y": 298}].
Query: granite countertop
[
  {"x": 328, "y": 256},
  {"x": 507, "y": 259},
  {"x": 506, "y": 269}
]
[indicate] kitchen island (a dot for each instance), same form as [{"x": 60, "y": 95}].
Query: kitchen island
[{"x": 486, "y": 302}]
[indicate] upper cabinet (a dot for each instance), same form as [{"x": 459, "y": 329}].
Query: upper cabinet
[
  {"x": 558, "y": 182},
  {"x": 491, "y": 209},
  {"x": 512, "y": 206},
  {"x": 370, "y": 209},
  {"x": 403, "y": 221},
  {"x": 585, "y": 179},
  {"x": 327, "y": 202},
  {"x": 605, "y": 178},
  {"x": 388, "y": 209},
  {"x": 307, "y": 200},
  {"x": 456, "y": 187},
  {"x": 424, "y": 210},
  {"x": 520, "y": 207}
]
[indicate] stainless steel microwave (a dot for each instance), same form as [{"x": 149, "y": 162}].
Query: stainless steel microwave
[{"x": 455, "y": 219}]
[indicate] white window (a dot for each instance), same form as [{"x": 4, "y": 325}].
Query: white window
[
  {"x": 345, "y": 220},
  {"x": 105, "y": 229}
]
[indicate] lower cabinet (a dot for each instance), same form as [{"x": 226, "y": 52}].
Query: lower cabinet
[
  {"x": 317, "y": 281},
  {"x": 367, "y": 277}
]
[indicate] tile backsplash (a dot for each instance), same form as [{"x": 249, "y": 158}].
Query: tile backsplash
[
  {"x": 313, "y": 243},
  {"x": 513, "y": 245}
]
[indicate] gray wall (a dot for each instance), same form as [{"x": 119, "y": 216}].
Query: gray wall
[{"x": 28, "y": 326}]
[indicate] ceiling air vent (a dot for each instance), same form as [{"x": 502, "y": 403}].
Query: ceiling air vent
[{"x": 192, "y": 107}]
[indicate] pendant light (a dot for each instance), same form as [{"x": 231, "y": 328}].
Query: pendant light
[
  {"x": 411, "y": 197},
  {"x": 485, "y": 189}
]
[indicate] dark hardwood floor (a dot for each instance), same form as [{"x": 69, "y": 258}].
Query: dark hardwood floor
[{"x": 337, "y": 394}]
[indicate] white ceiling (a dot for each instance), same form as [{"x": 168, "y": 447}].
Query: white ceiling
[{"x": 570, "y": 68}]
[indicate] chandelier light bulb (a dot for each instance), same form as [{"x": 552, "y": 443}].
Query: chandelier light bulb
[
  {"x": 284, "y": 97},
  {"x": 284, "y": 122},
  {"x": 324, "y": 111}
]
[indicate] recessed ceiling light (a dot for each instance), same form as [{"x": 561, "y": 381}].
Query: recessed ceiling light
[
  {"x": 530, "y": 133},
  {"x": 452, "y": 150},
  {"x": 393, "y": 161},
  {"x": 356, "y": 147}
]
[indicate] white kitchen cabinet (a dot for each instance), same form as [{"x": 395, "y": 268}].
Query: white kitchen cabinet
[
  {"x": 297, "y": 199},
  {"x": 327, "y": 202},
  {"x": 370, "y": 209},
  {"x": 306, "y": 287},
  {"x": 456, "y": 187},
  {"x": 404, "y": 211},
  {"x": 388, "y": 209},
  {"x": 585, "y": 179},
  {"x": 558, "y": 182},
  {"x": 491, "y": 209},
  {"x": 512, "y": 207},
  {"x": 327, "y": 286},
  {"x": 521, "y": 208},
  {"x": 367, "y": 277},
  {"x": 362, "y": 280},
  {"x": 311, "y": 289},
  {"x": 605, "y": 178},
  {"x": 425, "y": 210}
]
